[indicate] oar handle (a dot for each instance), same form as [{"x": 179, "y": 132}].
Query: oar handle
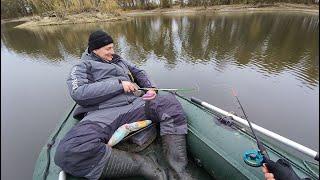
[{"x": 195, "y": 100}]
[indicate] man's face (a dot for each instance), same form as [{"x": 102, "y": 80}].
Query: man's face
[{"x": 105, "y": 52}]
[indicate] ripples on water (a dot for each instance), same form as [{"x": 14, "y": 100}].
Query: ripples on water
[
  {"x": 272, "y": 59},
  {"x": 268, "y": 42}
]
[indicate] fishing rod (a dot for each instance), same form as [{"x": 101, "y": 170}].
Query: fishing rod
[
  {"x": 170, "y": 89},
  {"x": 261, "y": 147}
]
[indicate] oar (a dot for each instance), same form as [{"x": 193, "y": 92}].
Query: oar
[{"x": 297, "y": 146}]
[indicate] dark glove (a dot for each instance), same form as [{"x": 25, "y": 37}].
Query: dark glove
[{"x": 281, "y": 170}]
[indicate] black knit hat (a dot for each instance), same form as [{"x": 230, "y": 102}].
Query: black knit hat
[{"x": 98, "y": 39}]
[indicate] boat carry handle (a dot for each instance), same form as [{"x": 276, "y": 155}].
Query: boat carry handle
[{"x": 295, "y": 145}]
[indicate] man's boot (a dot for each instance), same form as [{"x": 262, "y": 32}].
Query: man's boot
[
  {"x": 175, "y": 152},
  {"x": 125, "y": 164}
]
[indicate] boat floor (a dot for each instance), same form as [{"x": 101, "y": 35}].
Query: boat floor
[{"x": 154, "y": 150}]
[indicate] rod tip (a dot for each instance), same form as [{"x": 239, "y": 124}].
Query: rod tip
[{"x": 233, "y": 92}]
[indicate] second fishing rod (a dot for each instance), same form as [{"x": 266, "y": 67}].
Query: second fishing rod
[{"x": 259, "y": 143}]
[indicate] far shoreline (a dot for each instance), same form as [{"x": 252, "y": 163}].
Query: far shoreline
[
  {"x": 34, "y": 21},
  {"x": 310, "y": 9}
]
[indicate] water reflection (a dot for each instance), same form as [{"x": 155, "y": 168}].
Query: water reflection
[
  {"x": 270, "y": 43},
  {"x": 271, "y": 59}
]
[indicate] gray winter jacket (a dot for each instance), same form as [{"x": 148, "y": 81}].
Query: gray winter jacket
[
  {"x": 96, "y": 87},
  {"x": 96, "y": 84}
]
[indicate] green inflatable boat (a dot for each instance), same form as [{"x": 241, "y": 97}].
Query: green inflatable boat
[{"x": 217, "y": 144}]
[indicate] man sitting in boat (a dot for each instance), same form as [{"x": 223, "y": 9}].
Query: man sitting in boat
[{"x": 103, "y": 85}]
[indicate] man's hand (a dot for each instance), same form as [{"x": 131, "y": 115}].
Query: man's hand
[
  {"x": 128, "y": 86},
  {"x": 280, "y": 170},
  {"x": 267, "y": 174},
  {"x": 151, "y": 94}
]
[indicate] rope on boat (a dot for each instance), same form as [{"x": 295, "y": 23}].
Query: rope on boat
[{"x": 51, "y": 143}]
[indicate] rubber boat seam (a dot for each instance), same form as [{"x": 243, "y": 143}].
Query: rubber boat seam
[
  {"x": 224, "y": 156},
  {"x": 52, "y": 141},
  {"x": 308, "y": 167}
]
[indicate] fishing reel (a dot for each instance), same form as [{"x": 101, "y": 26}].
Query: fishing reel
[{"x": 253, "y": 158}]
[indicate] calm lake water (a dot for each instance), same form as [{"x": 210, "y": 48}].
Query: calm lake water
[{"x": 271, "y": 59}]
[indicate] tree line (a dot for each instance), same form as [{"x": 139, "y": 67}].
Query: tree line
[{"x": 20, "y": 8}]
